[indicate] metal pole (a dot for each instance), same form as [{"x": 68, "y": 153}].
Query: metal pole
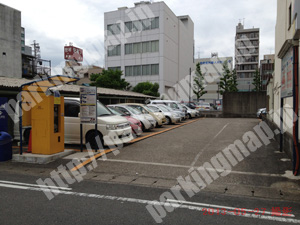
[
  {"x": 96, "y": 124},
  {"x": 20, "y": 125},
  {"x": 190, "y": 84},
  {"x": 296, "y": 112},
  {"x": 281, "y": 124},
  {"x": 81, "y": 142}
]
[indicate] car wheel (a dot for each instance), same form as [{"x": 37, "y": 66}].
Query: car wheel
[
  {"x": 190, "y": 116},
  {"x": 143, "y": 127},
  {"x": 90, "y": 138},
  {"x": 168, "y": 120}
]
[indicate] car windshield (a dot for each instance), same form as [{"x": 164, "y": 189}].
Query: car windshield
[
  {"x": 134, "y": 111},
  {"x": 153, "y": 108},
  {"x": 102, "y": 110},
  {"x": 116, "y": 111},
  {"x": 168, "y": 108},
  {"x": 163, "y": 108},
  {"x": 148, "y": 109},
  {"x": 173, "y": 105}
]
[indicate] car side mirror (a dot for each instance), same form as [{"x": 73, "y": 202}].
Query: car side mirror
[
  {"x": 160, "y": 111},
  {"x": 127, "y": 113}
]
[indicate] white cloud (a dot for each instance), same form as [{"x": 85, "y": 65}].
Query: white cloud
[{"x": 56, "y": 23}]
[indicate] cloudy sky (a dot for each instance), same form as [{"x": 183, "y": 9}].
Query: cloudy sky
[{"x": 55, "y": 23}]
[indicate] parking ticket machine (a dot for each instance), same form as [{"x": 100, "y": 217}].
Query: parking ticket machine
[
  {"x": 48, "y": 126},
  {"x": 43, "y": 110}
]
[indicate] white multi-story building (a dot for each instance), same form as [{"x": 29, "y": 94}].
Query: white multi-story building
[
  {"x": 150, "y": 43},
  {"x": 212, "y": 70},
  {"x": 246, "y": 56}
]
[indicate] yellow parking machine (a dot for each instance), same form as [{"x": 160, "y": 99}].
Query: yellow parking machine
[{"x": 47, "y": 114}]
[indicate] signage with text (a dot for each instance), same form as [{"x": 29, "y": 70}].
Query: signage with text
[
  {"x": 287, "y": 74},
  {"x": 88, "y": 104}
]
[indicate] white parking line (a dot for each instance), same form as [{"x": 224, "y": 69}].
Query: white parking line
[
  {"x": 177, "y": 204},
  {"x": 35, "y": 185},
  {"x": 188, "y": 167},
  {"x": 223, "y": 207},
  {"x": 207, "y": 145}
]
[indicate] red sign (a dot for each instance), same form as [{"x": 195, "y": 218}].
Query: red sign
[{"x": 73, "y": 53}]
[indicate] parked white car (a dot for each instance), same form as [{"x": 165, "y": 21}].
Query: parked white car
[
  {"x": 112, "y": 129},
  {"x": 192, "y": 113},
  {"x": 147, "y": 120},
  {"x": 174, "y": 105},
  {"x": 171, "y": 117}
]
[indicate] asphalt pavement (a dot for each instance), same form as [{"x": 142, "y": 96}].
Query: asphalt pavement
[{"x": 118, "y": 189}]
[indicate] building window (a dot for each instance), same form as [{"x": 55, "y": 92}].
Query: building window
[
  {"x": 137, "y": 70},
  {"x": 114, "y": 50},
  {"x": 142, "y": 47},
  {"x": 136, "y": 25},
  {"x": 128, "y": 27},
  {"x": 146, "y": 70},
  {"x": 151, "y": 69},
  {"x": 146, "y": 46},
  {"x": 128, "y": 49},
  {"x": 22, "y": 35},
  {"x": 114, "y": 68},
  {"x": 137, "y": 48},
  {"x": 154, "y": 46},
  {"x": 142, "y": 25},
  {"x": 128, "y": 71},
  {"x": 154, "y": 69},
  {"x": 155, "y": 23},
  {"x": 146, "y": 24},
  {"x": 113, "y": 29}
]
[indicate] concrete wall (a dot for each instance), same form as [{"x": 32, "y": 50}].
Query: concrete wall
[
  {"x": 10, "y": 42},
  {"x": 243, "y": 104}
]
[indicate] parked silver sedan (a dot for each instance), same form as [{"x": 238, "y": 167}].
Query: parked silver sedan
[
  {"x": 147, "y": 120},
  {"x": 171, "y": 117},
  {"x": 191, "y": 112}
]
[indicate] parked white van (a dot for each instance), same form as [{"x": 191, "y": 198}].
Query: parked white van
[{"x": 112, "y": 129}]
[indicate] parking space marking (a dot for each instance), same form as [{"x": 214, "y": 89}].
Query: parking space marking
[
  {"x": 206, "y": 146},
  {"x": 188, "y": 167},
  {"x": 133, "y": 141},
  {"x": 163, "y": 131},
  {"x": 103, "y": 152}
]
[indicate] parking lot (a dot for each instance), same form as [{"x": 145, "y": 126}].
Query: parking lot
[
  {"x": 141, "y": 171},
  {"x": 162, "y": 156}
]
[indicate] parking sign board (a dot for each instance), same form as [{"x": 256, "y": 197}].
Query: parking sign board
[{"x": 88, "y": 104}]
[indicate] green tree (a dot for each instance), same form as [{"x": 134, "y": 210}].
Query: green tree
[
  {"x": 234, "y": 82},
  {"x": 257, "y": 81},
  {"x": 110, "y": 79},
  {"x": 198, "y": 86},
  {"x": 228, "y": 82},
  {"x": 147, "y": 88}
]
